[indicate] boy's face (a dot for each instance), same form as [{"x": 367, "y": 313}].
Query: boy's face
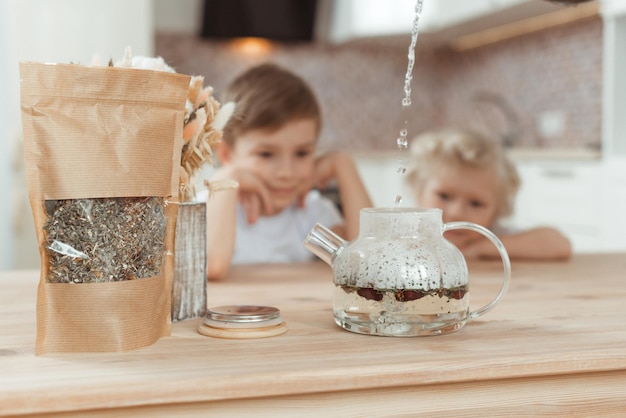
[
  {"x": 463, "y": 193},
  {"x": 283, "y": 160}
]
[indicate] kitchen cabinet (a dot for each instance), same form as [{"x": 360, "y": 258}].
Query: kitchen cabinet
[
  {"x": 585, "y": 199},
  {"x": 350, "y": 19},
  {"x": 614, "y": 204},
  {"x": 447, "y": 13},
  {"x": 444, "y": 19},
  {"x": 614, "y": 67},
  {"x": 564, "y": 194}
]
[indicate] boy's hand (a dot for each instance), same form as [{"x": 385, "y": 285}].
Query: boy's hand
[
  {"x": 326, "y": 169},
  {"x": 325, "y": 172},
  {"x": 253, "y": 195}
]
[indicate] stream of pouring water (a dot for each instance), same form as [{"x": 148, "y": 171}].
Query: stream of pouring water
[{"x": 402, "y": 141}]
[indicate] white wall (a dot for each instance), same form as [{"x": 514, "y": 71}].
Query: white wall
[
  {"x": 178, "y": 16},
  {"x": 614, "y": 101},
  {"x": 379, "y": 172},
  {"x": 52, "y": 31},
  {"x": 6, "y": 177}
]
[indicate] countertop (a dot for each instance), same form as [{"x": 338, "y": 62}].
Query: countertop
[{"x": 554, "y": 345}]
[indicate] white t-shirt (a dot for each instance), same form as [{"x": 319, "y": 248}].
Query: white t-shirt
[{"x": 280, "y": 238}]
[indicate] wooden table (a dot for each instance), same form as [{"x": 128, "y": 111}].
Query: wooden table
[{"x": 556, "y": 344}]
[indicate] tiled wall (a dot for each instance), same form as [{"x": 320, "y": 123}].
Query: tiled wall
[{"x": 505, "y": 88}]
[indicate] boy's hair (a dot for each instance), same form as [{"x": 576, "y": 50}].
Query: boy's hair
[
  {"x": 267, "y": 97},
  {"x": 464, "y": 148}
]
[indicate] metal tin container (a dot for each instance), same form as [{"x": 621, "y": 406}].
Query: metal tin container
[{"x": 242, "y": 321}]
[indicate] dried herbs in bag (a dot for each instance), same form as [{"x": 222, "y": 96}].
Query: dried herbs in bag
[{"x": 102, "y": 151}]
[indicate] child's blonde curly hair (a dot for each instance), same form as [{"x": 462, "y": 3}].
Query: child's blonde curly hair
[{"x": 455, "y": 147}]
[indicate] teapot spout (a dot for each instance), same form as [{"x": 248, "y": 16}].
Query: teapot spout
[{"x": 324, "y": 243}]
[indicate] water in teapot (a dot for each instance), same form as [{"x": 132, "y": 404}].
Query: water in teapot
[{"x": 400, "y": 312}]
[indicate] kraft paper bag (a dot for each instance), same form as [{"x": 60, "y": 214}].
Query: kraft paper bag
[{"x": 102, "y": 147}]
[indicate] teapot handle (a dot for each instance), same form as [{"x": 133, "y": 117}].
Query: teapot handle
[{"x": 503, "y": 254}]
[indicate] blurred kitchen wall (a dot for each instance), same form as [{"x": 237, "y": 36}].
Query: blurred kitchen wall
[
  {"x": 537, "y": 90},
  {"x": 6, "y": 175},
  {"x": 533, "y": 80}
]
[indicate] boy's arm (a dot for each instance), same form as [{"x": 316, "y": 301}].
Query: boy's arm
[
  {"x": 352, "y": 191},
  {"x": 222, "y": 216},
  {"x": 541, "y": 243},
  {"x": 221, "y": 226}
]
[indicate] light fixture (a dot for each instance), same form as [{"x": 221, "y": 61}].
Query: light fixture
[{"x": 252, "y": 46}]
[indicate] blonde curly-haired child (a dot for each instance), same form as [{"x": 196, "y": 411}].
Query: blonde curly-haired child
[{"x": 470, "y": 178}]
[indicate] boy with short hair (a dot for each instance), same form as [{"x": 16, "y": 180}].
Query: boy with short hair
[{"x": 269, "y": 148}]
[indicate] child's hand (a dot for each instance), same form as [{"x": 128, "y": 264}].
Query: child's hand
[
  {"x": 253, "y": 194},
  {"x": 325, "y": 172},
  {"x": 471, "y": 244},
  {"x": 473, "y": 250},
  {"x": 254, "y": 197},
  {"x": 326, "y": 168}
]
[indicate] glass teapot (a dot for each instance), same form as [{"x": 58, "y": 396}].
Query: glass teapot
[{"x": 400, "y": 277}]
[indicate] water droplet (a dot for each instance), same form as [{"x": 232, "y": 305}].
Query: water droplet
[
  {"x": 402, "y": 141},
  {"x": 411, "y": 54}
]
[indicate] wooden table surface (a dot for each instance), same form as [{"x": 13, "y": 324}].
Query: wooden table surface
[{"x": 555, "y": 345}]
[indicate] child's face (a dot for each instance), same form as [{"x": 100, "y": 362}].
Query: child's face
[
  {"x": 283, "y": 160},
  {"x": 463, "y": 193}
]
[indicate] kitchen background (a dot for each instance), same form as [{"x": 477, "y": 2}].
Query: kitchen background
[
  {"x": 510, "y": 89},
  {"x": 542, "y": 78}
]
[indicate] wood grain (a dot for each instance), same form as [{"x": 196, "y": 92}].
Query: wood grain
[{"x": 555, "y": 344}]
